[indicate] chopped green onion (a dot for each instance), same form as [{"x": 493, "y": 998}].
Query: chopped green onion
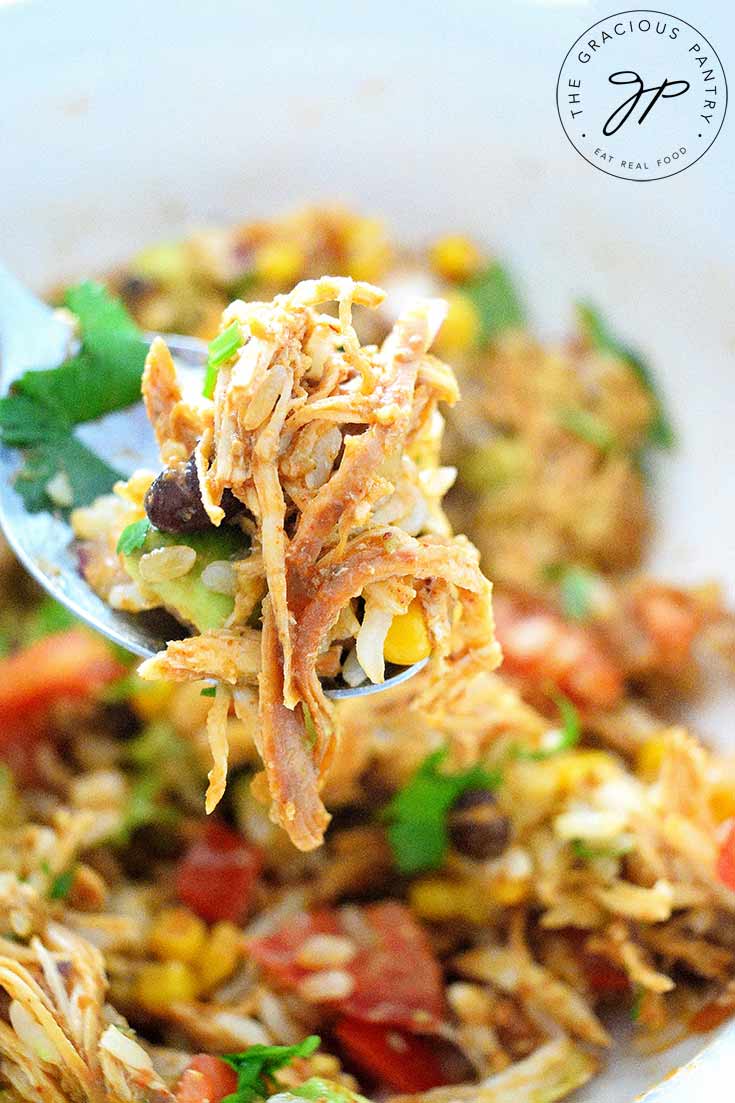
[
  {"x": 555, "y": 742},
  {"x": 576, "y": 586},
  {"x": 222, "y": 348},
  {"x": 587, "y": 852},
  {"x": 637, "y": 1005},
  {"x": 587, "y": 426},
  {"x": 209, "y": 691}
]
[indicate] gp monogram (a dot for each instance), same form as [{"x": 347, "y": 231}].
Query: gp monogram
[{"x": 641, "y": 95}]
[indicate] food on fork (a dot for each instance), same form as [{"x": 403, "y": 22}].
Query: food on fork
[{"x": 297, "y": 527}]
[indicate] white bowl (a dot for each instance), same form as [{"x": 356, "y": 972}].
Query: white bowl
[{"x": 129, "y": 122}]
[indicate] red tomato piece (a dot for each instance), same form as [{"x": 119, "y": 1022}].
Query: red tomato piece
[
  {"x": 64, "y": 666},
  {"x": 397, "y": 978},
  {"x": 205, "y": 1080},
  {"x": 67, "y": 664},
  {"x": 403, "y": 1062},
  {"x": 726, "y": 860},
  {"x": 215, "y": 878},
  {"x": 278, "y": 952},
  {"x": 604, "y": 977},
  {"x": 540, "y": 648}
]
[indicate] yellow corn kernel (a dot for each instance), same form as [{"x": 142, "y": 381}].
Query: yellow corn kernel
[
  {"x": 219, "y": 955},
  {"x": 508, "y": 891},
  {"x": 439, "y": 900},
  {"x": 722, "y": 801},
  {"x": 577, "y": 767},
  {"x": 455, "y": 257},
  {"x": 407, "y": 640},
  {"x": 280, "y": 263},
  {"x": 161, "y": 983},
  {"x": 177, "y": 935},
  {"x": 650, "y": 756},
  {"x": 151, "y": 700},
  {"x": 460, "y": 329},
  {"x": 167, "y": 263},
  {"x": 368, "y": 251}
]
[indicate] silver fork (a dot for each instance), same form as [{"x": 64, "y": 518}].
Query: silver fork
[{"x": 33, "y": 336}]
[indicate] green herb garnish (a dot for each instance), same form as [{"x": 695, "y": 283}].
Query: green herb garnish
[
  {"x": 47, "y": 618},
  {"x": 418, "y": 813},
  {"x": 637, "y": 1005},
  {"x": 209, "y": 691},
  {"x": 576, "y": 588},
  {"x": 588, "y": 852},
  {"x": 597, "y": 333},
  {"x": 122, "y": 690},
  {"x": 315, "y": 1088},
  {"x": 133, "y": 536},
  {"x": 256, "y": 1066},
  {"x": 61, "y": 885},
  {"x": 222, "y": 348},
  {"x": 144, "y": 808},
  {"x": 496, "y": 300},
  {"x": 43, "y": 407},
  {"x": 562, "y": 740},
  {"x": 586, "y": 426}
]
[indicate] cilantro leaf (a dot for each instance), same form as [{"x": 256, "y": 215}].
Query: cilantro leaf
[
  {"x": 61, "y": 885},
  {"x": 496, "y": 300},
  {"x": 133, "y": 536},
  {"x": 222, "y": 348},
  {"x": 88, "y": 476},
  {"x": 597, "y": 333},
  {"x": 418, "y": 833},
  {"x": 97, "y": 309},
  {"x": 563, "y": 740},
  {"x": 42, "y": 408},
  {"x": 256, "y": 1066}
]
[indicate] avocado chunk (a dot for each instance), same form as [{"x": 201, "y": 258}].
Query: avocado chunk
[{"x": 187, "y": 598}]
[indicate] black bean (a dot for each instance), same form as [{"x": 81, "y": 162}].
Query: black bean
[
  {"x": 477, "y": 827},
  {"x": 173, "y": 502}
]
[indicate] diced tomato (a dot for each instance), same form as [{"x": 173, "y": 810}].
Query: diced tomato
[
  {"x": 726, "y": 860},
  {"x": 712, "y": 1015},
  {"x": 205, "y": 1080},
  {"x": 67, "y": 664},
  {"x": 401, "y": 1061},
  {"x": 397, "y": 978},
  {"x": 540, "y": 648},
  {"x": 671, "y": 621},
  {"x": 64, "y": 666},
  {"x": 604, "y": 977},
  {"x": 216, "y": 877}
]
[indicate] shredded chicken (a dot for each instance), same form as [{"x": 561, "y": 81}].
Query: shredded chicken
[{"x": 314, "y": 433}]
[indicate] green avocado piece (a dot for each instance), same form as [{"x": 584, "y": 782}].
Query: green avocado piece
[{"x": 187, "y": 598}]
